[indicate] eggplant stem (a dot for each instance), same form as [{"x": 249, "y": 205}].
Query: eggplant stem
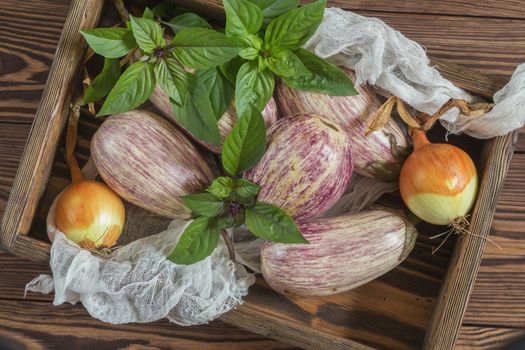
[
  {"x": 71, "y": 141},
  {"x": 229, "y": 244},
  {"x": 470, "y": 110}
]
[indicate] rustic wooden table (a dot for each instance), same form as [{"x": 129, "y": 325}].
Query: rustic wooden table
[{"x": 488, "y": 36}]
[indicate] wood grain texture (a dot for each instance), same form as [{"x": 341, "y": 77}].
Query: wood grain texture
[
  {"x": 487, "y": 338},
  {"x": 12, "y": 141},
  {"x": 70, "y": 327},
  {"x": 50, "y": 118},
  {"x": 463, "y": 8},
  {"x": 498, "y": 297},
  {"x": 29, "y": 33},
  {"x": 460, "y": 8}
]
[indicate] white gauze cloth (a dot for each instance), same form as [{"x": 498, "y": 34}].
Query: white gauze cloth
[
  {"x": 383, "y": 57},
  {"x": 136, "y": 283}
]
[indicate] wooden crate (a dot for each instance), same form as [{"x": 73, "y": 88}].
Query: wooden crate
[{"x": 420, "y": 304}]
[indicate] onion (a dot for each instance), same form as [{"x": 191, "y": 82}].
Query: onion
[
  {"x": 88, "y": 212},
  {"x": 438, "y": 182}
]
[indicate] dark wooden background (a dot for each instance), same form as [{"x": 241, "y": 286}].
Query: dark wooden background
[{"x": 488, "y": 36}]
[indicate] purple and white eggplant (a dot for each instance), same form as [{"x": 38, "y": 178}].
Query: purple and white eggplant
[
  {"x": 161, "y": 100},
  {"x": 345, "y": 252},
  {"x": 376, "y": 155},
  {"x": 306, "y": 167},
  {"x": 148, "y": 162}
]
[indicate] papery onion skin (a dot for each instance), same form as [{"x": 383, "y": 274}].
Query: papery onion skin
[
  {"x": 90, "y": 214},
  {"x": 438, "y": 182},
  {"x": 379, "y": 154},
  {"x": 306, "y": 168},
  {"x": 343, "y": 253},
  {"x": 149, "y": 162},
  {"x": 161, "y": 100}
]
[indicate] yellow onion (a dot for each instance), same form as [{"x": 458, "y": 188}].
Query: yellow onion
[
  {"x": 90, "y": 214},
  {"x": 438, "y": 182}
]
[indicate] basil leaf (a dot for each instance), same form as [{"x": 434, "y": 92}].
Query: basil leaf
[
  {"x": 287, "y": 64},
  {"x": 272, "y": 9},
  {"x": 148, "y": 33},
  {"x": 245, "y": 191},
  {"x": 202, "y": 48},
  {"x": 249, "y": 40},
  {"x": 134, "y": 87},
  {"x": 272, "y": 223},
  {"x": 197, "y": 242},
  {"x": 219, "y": 88},
  {"x": 324, "y": 77},
  {"x": 253, "y": 88},
  {"x": 231, "y": 68},
  {"x": 205, "y": 204},
  {"x": 222, "y": 187},
  {"x": 249, "y": 53},
  {"x": 292, "y": 29},
  {"x": 104, "y": 82},
  {"x": 196, "y": 112},
  {"x": 110, "y": 42},
  {"x": 187, "y": 20},
  {"x": 147, "y": 13},
  {"x": 172, "y": 79},
  {"x": 245, "y": 145},
  {"x": 242, "y": 17}
]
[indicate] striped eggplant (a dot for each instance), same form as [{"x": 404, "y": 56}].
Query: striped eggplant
[
  {"x": 148, "y": 162},
  {"x": 161, "y": 100},
  {"x": 379, "y": 154},
  {"x": 306, "y": 167},
  {"x": 345, "y": 252}
]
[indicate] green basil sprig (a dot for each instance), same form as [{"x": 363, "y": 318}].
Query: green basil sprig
[
  {"x": 229, "y": 203},
  {"x": 196, "y": 105},
  {"x": 261, "y": 42}
]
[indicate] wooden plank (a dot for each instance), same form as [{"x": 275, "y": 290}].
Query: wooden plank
[
  {"x": 463, "y": 8},
  {"x": 487, "y": 338},
  {"x": 12, "y": 141},
  {"x": 495, "y": 46},
  {"x": 29, "y": 33},
  {"x": 68, "y": 326},
  {"x": 463, "y": 267},
  {"x": 50, "y": 118},
  {"x": 520, "y": 146},
  {"x": 466, "y": 8},
  {"x": 498, "y": 297}
]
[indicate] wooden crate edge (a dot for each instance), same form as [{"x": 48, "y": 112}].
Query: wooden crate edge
[{"x": 35, "y": 167}]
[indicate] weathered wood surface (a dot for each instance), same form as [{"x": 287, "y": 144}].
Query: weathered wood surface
[
  {"x": 487, "y": 338},
  {"x": 50, "y": 117},
  {"x": 497, "y": 299}
]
